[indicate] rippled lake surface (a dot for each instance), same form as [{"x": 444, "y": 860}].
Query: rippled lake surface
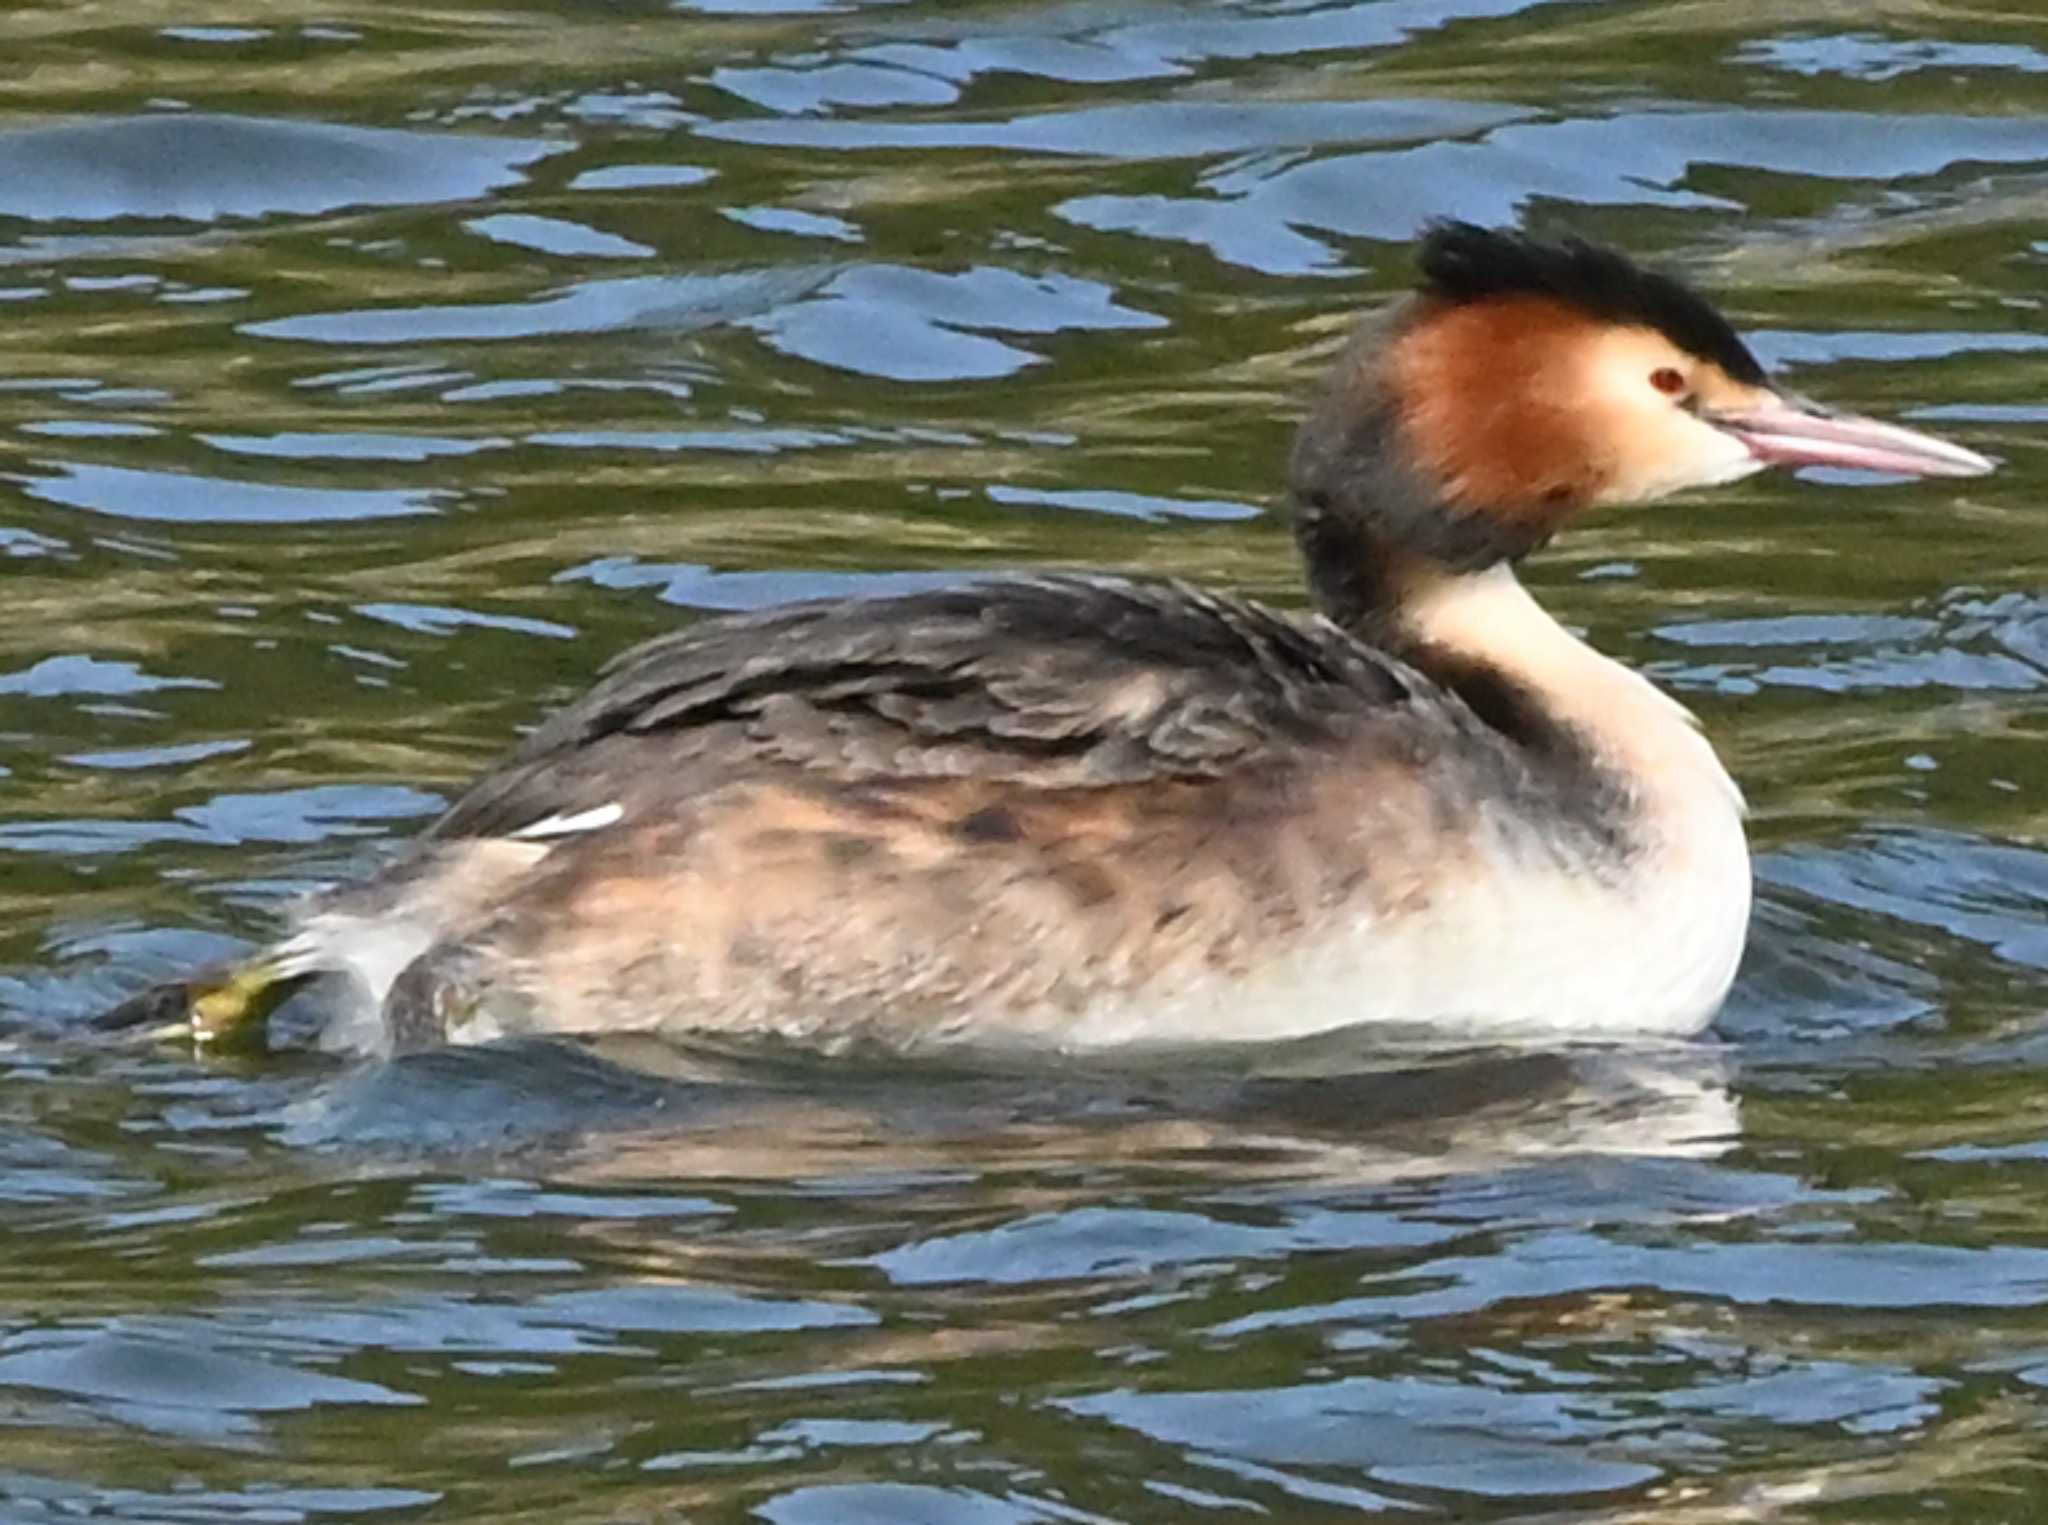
[{"x": 371, "y": 372}]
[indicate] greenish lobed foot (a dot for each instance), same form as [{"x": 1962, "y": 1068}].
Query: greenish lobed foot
[{"x": 226, "y": 1010}]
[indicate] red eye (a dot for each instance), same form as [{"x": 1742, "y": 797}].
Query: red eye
[{"x": 1668, "y": 380}]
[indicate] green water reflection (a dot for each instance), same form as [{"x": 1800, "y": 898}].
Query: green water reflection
[{"x": 373, "y": 372}]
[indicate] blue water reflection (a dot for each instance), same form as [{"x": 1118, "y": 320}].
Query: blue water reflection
[
  {"x": 371, "y": 379},
  {"x": 200, "y": 167}
]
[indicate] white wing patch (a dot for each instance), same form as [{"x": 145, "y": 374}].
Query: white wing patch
[{"x": 570, "y": 825}]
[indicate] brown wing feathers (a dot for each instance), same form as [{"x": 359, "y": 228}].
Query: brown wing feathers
[{"x": 1055, "y": 682}]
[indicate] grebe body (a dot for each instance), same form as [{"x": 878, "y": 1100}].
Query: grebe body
[{"x": 1075, "y": 812}]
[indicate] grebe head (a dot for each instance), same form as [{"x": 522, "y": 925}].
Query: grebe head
[{"x": 1525, "y": 382}]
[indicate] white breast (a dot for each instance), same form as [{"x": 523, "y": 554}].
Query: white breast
[{"x": 1511, "y": 954}]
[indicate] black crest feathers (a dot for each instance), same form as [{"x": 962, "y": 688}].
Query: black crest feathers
[{"x": 1461, "y": 262}]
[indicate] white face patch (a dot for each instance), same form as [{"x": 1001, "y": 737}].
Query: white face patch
[
  {"x": 569, "y": 825},
  {"x": 1659, "y": 445}
]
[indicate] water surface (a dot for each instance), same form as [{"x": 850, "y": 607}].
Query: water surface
[{"x": 373, "y": 372}]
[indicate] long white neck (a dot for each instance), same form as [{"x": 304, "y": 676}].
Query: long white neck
[{"x": 1647, "y": 738}]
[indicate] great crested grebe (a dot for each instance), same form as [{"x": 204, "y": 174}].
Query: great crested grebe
[{"x": 1075, "y": 812}]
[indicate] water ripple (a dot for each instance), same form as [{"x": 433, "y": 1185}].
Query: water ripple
[{"x": 202, "y": 167}]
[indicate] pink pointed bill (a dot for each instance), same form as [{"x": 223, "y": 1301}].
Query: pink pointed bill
[{"x": 1787, "y": 432}]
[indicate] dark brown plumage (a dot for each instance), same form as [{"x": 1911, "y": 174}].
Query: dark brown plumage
[{"x": 1061, "y": 682}]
